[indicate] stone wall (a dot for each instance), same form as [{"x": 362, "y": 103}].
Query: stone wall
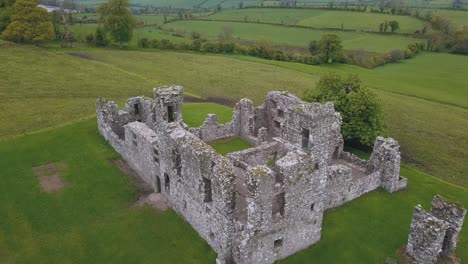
[
  {"x": 257, "y": 205},
  {"x": 285, "y": 209},
  {"x": 434, "y": 235}
]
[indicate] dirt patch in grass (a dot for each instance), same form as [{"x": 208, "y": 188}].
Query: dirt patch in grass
[
  {"x": 155, "y": 200},
  {"x": 217, "y": 100},
  {"x": 407, "y": 259},
  {"x": 146, "y": 195},
  {"x": 123, "y": 166},
  {"x": 81, "y": 55},
  {"x": 50, "y": 177}
]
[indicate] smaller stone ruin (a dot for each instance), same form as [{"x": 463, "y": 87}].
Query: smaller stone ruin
[{"x": 434, "y": 235}]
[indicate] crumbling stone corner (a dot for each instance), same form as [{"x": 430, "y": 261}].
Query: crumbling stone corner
[{"x": 435, "y": 234}]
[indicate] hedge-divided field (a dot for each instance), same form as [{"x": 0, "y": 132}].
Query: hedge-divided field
[
  {"x": 298, "y": 37},
  {"x": 43, "y": 88},
  {"x": 319, "y": 18}
]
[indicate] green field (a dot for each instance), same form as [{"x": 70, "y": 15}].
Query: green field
[
  {"x": 198, "y": 112},
  {"x": 319, "y": 18},
  {"x": 298, "y": 37},
  {"x": 431, "y": 130},
  {"x": 458, "y": 18},
  {"x": 228, "y": 145},
  {"x": 92, "y": 221}
]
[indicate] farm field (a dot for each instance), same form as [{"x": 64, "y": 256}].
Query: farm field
[
  {"x": 81, "y": 31},
  {"x": 92, "y": 219},
  {"x": 319, "y": 18},
  {"x": 458, "y": 18},
  {"x": 298, "y": 37},
  {"x": 432, "y": 133}
]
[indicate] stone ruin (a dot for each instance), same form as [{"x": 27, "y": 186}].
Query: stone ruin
[
  {"x": 434, "y": 235},
  {"x": 257, "y": 205}
]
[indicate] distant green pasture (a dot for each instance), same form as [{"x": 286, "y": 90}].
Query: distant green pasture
[
  {"x": 293, "y": 36},
  {"x": 320, "y": 18}
]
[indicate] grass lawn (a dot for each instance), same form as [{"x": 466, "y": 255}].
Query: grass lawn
[
  {"x": 91, "y": 220},
  {"x": 228, "y": 145},
  {"x": 197, "y": 113},
  {"x": 431, "y": 131},
  {"x": 319, "y": 18},
  {"x": 299, "y": 37}
]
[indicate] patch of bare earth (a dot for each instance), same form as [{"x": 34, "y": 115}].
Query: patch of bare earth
[
  {"x": 146, "y": 196},
  {"x": 50, "y": 177},
  {"x": 409, "y": 260},
  {"x": 80, "y": 55},
  {"x": 155, "y": 200}
]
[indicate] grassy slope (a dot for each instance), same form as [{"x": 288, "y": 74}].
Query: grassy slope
[
  {"x": 319, "y": 18},
  {"x": 293, "y": 36},
  {"x": 432, "y": 135},
  {"x": 91, "y": 221}
]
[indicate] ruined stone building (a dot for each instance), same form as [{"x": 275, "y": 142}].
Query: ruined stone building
[
  {"x": 434, "y": 235},
  {"x": 256, "y": 205}
]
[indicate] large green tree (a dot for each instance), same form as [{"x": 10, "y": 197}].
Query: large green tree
[
  {"x": 6, "y": 10},
  {"x": 117, "y": 19},
  {"x": 330, "y": 48},
  {"x": 359, "y": 107},
  {"x": 29, "y": 23}
]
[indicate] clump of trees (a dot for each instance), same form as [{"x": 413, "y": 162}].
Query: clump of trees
[
  {"x": 6, "y": 10},
  {"x": 359, "y": 107},
  {"x": 117, "y": 20},
  {"x": 386, "y": 25},
  {"x": 328, "y": 49},
  {"x": 28, "y": 23}
]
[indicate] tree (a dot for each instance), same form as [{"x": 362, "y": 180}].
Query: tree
[
  {"x": 6, "y": 10},
  {"x": 457, "y": 4},
  {"x": 29, "y": 23},
  {"x": 330, "y": 48},
  {"x": 313, "y": 47},
  {"x": 117, "y": 19},
  {"x": 394, "y": 26},
  {"x": 360, "y": 109},
  {"x": 100, "y": 38},
  {"x": 226, "y": 35},
  {"x": 381, "y": 27}
]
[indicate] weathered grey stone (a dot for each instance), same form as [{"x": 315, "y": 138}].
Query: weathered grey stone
[
  {"x": 257, "y": 205},
  {"x": 435, "y": 234}
]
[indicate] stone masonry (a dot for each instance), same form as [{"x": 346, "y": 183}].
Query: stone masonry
[
  {"x": 257, "y": 205},
  {"x": 434, "y": 235}
]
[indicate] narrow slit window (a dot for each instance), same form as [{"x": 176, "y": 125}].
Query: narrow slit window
[
  {"x": 207, "y": 192},
  {"x": 280, "y": 113},
  {"x": 134, "y": 140},
  {"x": 278, "y": 205},
  {"x": 156, "y": 155},
  {"x": 167, "y": 183},
  {"x": 170, "y": 113},
  {"x": 278, "y": 243},
  {"x": 136, "y": 108},
  {"x": 305, "y": 138},
  {"x": 277, "y": 124}
]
